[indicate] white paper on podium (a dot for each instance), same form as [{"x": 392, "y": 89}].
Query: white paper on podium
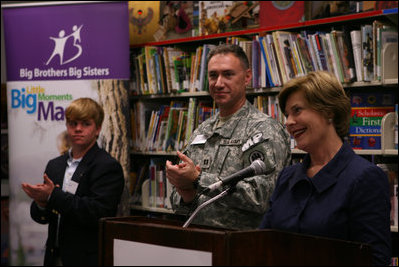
[{"x": 131, "y": 253}]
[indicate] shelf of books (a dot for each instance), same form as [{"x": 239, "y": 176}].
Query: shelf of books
[{"x": 169, "y": 88}]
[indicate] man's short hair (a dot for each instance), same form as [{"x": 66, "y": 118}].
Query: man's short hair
[{"x": 230, "y": 48}]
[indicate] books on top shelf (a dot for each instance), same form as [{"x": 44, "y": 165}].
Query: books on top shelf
[{"x": 352, "y": 55}]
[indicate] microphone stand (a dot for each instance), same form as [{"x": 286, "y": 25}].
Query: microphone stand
[{"x": 206, "y": 203}]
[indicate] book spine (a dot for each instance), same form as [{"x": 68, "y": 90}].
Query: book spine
[
  {"x": 280, "y": 61},
  {"x": 255, "y": 63},
  {"x": 367, "y": 52},
  {"x": 356, "y": 39},
  {"x": 337, "y": 56},
  {"x": 265, "y": 57},
  {"x": 320, "y": 51}
]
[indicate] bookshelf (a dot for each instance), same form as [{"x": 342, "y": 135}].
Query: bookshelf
[{"x": 386, "y": 153}]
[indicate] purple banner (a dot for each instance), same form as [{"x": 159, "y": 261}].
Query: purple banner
[{"x": 67, "y": 42}]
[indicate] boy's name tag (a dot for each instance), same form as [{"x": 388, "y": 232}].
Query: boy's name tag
[{"x": 71, "y": 187}]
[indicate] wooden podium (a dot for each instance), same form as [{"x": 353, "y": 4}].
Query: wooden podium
[{"x": 129, "y": 240}]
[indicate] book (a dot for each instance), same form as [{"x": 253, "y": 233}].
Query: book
[
  {"x": 161, "y": 128},
  {"x": 295, "y": 54},
  {"x": 178, "y": 19},
  {"x": 151, "y": 130},
  {"x": 158, "y": 78},
  {"x": 246, "y": 45},
  {"x": 279, "y": 57},
  {"x": 312, "y": 50},
  {"x": 271, "y": 52},
  {"x": 367, "y": 52},
  {"x": 212, "y": 16},
  {"x": 172, "y": 130},
  {"x": 331, "y": 39},
  {"x": 329, "y": 54},
  {"x": 367, "y": 112},
  {"x": 160, "y": 184},
  {"x": 190, "y": 124},
  {"x": 150, "y": 66},
  {"x": 306, "y": 60},
  {"x": 179, "y": 72},
  {"x": 347, "y": 56},
  {"x": 346, "y": 60},
  {"x": 269, "y": 80},
  {"x": 283, "y": 42},
  {"x": 135, "y": 86},
  {"x": 319, "y": 51},
  {"x": 356, "y": 39},
  {"x": 172, "y": 55},
  {"x": 156, "y": 182},
  {"x": 204, "y": 67},
  {"x": 376, "y": 28},
  {"x": 162, "y": 71},
  {"x": 256, "y": 66},
  {"x": 196, "y": 71},
  {"x": 143, "y": 76},
  {"x": 187, "y": 63},
  {"x": 225, "y": 16},
  {"x": 182, "y": 129},
  {"x": 152, "y": 190},
  {"x": 263, "y": 62}
]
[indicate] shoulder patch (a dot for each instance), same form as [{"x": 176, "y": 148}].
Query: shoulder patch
[
  {"x": 256, "y": 154},
  {"x": 257, "y": 138}
]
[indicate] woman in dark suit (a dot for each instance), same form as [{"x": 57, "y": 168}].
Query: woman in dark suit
[
  {"x": 80, "y": 187},
  {"x": 333, "y": 192}
]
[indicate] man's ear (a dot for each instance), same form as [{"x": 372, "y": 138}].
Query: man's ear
[{"x": 248, "y": 76}]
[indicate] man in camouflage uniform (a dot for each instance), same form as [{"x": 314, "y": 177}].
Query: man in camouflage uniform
[{"x": 226, "y": 143}]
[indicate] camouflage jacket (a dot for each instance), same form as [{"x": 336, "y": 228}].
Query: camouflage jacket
[{"x": 249, "y": 134}]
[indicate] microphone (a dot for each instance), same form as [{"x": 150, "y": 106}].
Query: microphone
[{"x": 257, "y": 167}]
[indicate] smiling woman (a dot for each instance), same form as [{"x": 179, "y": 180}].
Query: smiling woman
[{"x": 333, "y": 192}]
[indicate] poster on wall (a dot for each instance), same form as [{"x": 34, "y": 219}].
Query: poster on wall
[{"x": 73, "y": 50}]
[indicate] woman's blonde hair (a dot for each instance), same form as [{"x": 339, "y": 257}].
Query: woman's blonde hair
[{"x": 324, "y": 94}]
